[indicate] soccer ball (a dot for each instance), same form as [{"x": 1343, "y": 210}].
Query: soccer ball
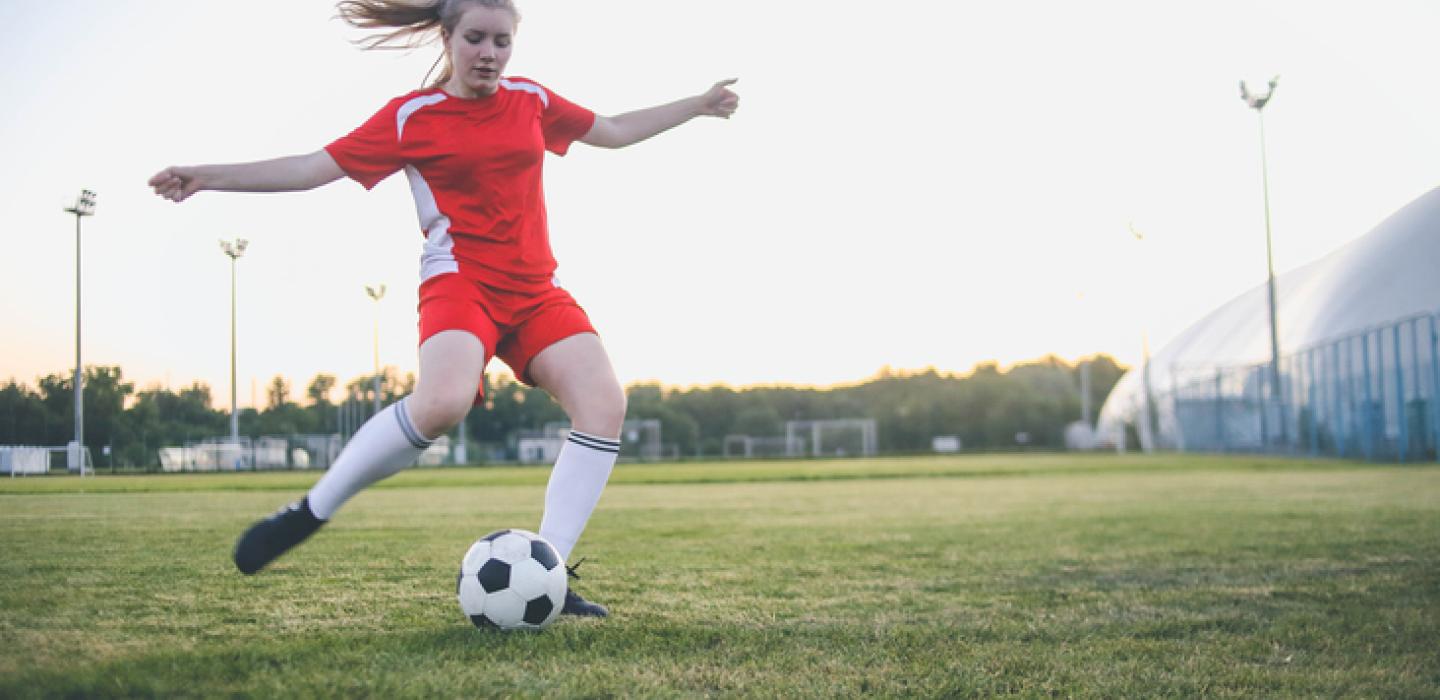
[{"x": 511, "y": 579}]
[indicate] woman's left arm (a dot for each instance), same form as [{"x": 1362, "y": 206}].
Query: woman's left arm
[{"x": 634, "y": 127}]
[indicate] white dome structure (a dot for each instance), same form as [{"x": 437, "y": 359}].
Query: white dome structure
[{"x": 1359, "y": 361}]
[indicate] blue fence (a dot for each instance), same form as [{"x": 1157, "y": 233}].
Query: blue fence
[{"x": 1371, "y": 395}]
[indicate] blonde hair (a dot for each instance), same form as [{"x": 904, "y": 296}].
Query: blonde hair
[{"x": 413, "y": 24}]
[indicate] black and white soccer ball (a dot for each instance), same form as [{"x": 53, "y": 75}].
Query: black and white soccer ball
[{"x": 512, "y": 579}]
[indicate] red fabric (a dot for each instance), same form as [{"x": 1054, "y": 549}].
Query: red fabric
[
  {"x": 481, "y": 160},
  {"x": 513, "y": 326}
]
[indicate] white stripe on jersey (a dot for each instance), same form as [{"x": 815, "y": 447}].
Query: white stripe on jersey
[
  {"x": 438, "y": 257},
  {"x": 412, "y": 107},
  {"x": 527, "y": 87}
]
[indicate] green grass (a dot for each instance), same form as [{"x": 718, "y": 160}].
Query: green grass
[{"x": 1094, "y": 576}]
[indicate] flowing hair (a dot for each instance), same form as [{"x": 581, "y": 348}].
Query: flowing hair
[{"x": 413, "y": 24}]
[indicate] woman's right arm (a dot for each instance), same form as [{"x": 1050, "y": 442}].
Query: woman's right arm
[{"x": 289, "y": 174}]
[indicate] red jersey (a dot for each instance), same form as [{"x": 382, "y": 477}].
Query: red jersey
[{"x": 475, "y": 169}]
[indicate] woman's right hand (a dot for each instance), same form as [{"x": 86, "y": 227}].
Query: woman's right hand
[{"x": 176, "y": 183}]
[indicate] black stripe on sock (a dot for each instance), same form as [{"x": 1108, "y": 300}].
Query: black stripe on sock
[
  {"x": 594, "y": 439},
  {"x": 594, "y": 443},
  {"x": 588, "y": 446},
  {"x": 402, "y": 416}
]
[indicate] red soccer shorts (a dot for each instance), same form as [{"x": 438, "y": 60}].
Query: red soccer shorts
[{"x": 513, "y": 326}]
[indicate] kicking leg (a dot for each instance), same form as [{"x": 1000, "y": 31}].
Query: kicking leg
[{"x": 450, "y": 367}]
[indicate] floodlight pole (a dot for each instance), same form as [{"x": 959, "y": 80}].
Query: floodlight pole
[
  {"x": 1257, "y": 103},
  {"x": 1151, "y": 418},
  {"x": 377, "y": 293},
  {"x": 1084, "y": 367},
  {"x": 233, "y": 250},
  {"x": 84, "y": 206}
]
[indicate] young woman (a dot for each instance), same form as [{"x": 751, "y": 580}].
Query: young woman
[{"x": 472, "y": 146}]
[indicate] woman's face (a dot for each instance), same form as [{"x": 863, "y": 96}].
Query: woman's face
[{"x": 479, "y": 48}]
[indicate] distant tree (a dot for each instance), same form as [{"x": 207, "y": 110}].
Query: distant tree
[
  {"x": 104, "y": 402},
  {"x": 57, "y": 394},
  {"x": 106, "y": 394},
  {"x": 278, "y": 393},
  {"x": 319, "y": 390},
  {"x": 986, "y": 407},
  {"x": 759, "y": 419},
  {"x": 24, "y": 418},
  {"x": 393, "y": 386},
  {"x": 281, "y": 415},
  {"x": 160, "y": 417}
]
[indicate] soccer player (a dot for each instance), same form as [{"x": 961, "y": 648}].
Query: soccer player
[{"x": 472, "y": 146}]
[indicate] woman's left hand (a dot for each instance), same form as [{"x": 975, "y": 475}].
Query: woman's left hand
[{"x": 719, "y": 100}]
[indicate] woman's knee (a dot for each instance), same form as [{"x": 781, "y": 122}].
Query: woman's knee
[
  {"x": 451, "y": 363},
  {"x": 601, "y": 411},
  {"x": 436, "y": 412}
]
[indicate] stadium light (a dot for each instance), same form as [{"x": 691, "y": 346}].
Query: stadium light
[
  {"x": 1257, "y": 102},
  {"x": 84, "y": 206},
  {"x": 234, "y": 250},
  {"x": 377, "y": 293}
]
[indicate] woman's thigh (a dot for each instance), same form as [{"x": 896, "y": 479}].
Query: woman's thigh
[
  {"x": 578, "y": 373},
  {"x": 451, "y": 364}
]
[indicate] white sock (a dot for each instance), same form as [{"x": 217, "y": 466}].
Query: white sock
[
  {"x": 576, "y": 481},
  {"x": 387, "y": 443}
]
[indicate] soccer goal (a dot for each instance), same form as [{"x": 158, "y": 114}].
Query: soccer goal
[
  {"x": 21, "y": 460},
  {"x": 750, "y": 446},
  {"x": 640, "y": 439},
  {"x": 834, "y": 437}
]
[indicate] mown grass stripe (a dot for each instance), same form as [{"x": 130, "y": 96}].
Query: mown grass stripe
[{"x": 697, "y": 473}]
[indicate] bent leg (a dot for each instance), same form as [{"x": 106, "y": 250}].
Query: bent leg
[
  {"x": 450, "y": 367},
  {"x": 451, "y": 364}
]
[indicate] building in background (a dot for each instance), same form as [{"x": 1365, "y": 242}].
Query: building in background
[{"x": 1359, "y": 366}]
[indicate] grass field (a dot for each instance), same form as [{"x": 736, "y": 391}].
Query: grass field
[{"x": 1092, "y": 576}]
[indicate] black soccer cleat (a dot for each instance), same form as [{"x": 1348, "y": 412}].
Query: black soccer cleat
[
  {"x": 575, "y": 605},
  {"x": 267, "y": 539}
]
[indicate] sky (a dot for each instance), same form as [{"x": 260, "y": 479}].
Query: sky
[{"x": 907, "y": 184}]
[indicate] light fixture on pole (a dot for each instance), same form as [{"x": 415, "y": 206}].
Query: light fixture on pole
[
  {"x": 84, "y": 206},
  {"x": 377, "y": 293},
  {"x": 1257, "y": 102},
  {"x": 234, "y": 250}
]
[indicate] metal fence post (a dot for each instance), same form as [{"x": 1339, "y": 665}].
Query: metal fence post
[
  {"x": 1418, "y": 372},
  {"x": 1352, "y": 427},
  {"x": 1310, "y": 400},
  {"x": 1219, "y": 412},
  {"x": 1404, "y": 446},
  {"x": 1260, "y": 393},
  {"x": 1299, "y": 395},
  {"x": 1434, "y": 406},
  {"x": 1338, "y": 417},
  {"x": 1367, "y": 432}
]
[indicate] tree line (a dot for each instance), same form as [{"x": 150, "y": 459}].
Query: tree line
[{"x": 988, "y": 408}]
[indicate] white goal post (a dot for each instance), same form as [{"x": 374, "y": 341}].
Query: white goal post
[
  {"x": 834, "y": 437},
  {"x": 750, "y": 446}
]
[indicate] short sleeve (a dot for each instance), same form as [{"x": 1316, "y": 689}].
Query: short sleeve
[
  {"x": 563, "y": 122},
  {"x": 371, "y": 152}
]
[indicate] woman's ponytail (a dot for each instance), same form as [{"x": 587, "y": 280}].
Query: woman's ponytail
[{"x": 412, "y": 24}]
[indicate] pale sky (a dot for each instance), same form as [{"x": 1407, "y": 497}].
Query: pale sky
[{"x": 909, "y": 183}]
